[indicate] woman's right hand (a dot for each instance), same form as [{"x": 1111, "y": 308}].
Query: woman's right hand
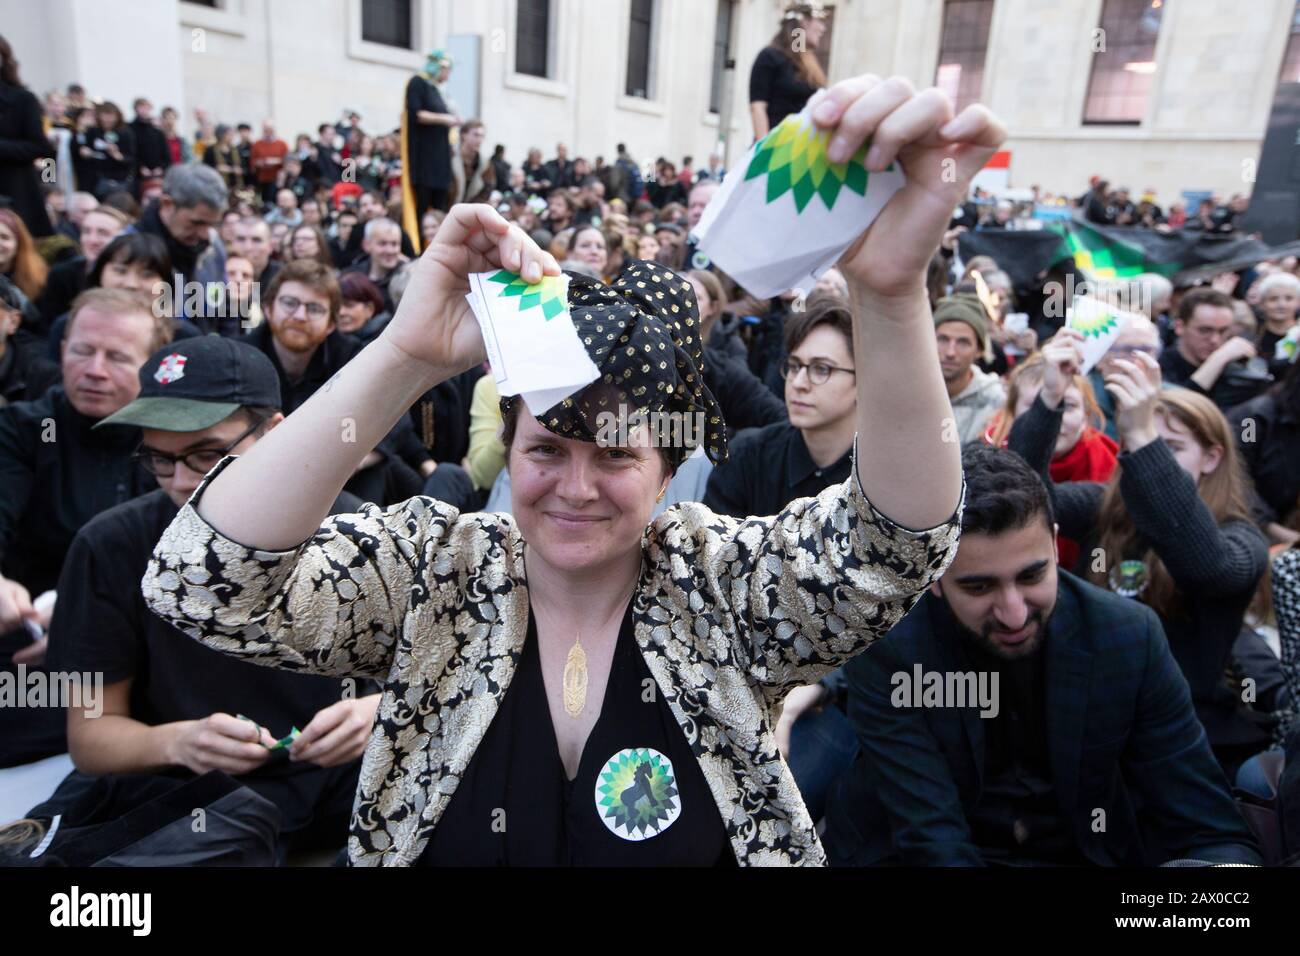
[
  {"x": 1062, "y": 358},
  {"x": 434, "y": 323}
]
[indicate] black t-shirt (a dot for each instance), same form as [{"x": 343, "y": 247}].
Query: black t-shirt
[
  {"x": 101, "y": 624},
  {"x": 639, "y": 798},
  {"x": 773, "y": 81},
  {"x": 766, "y": 469}
]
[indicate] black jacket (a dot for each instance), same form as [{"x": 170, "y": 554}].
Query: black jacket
[
  {"x": 22, "y": 142},
  {"x": 66, "y": 281},
  {"x": 744, "y": 401},
  {"x": 1215, "y": 567},
  {"x": 1122, "y": 738},
  {"x": 336, "y": 351},
  {"x": 151, "y": 150},
  {"x": 25, "y": 375},
  {"x": 55, "y": 475},
  {"x": 184, "y": 258},
  {"x": 1270, "y": 448}
]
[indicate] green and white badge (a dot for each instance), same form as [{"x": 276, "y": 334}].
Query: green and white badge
[{"x": 636, "y": 794}]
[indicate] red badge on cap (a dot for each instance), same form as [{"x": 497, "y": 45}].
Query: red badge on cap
[{"x": 172, "y": 369}]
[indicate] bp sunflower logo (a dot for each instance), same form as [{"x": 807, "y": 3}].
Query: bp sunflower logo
[
  {"x": 794, "y": 158},
  {"x": 548, "y": 295},
  {"x": 636, "y": 794},
  {"x": 1094, "y": 325}
]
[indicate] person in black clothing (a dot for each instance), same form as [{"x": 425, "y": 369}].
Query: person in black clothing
[
  {"x": 1171, "y": 528},
  {"x": 500, "y": 165},
  {"x": 382, "y": 244},
  {"x": 111, "y": 146},
  {"x": 559, "y": 171},
  {"x": 69, "y": 279},
  {"x": 329, "y": 163},
  {"x": 1098, "y": 206},
  {"x": 152, "y": 156},
  {"x": 56, "y": 473},
  {"x": 1207, "y": 357},
  {"x": 771, "y": 466},
  {"x": 193, "y": 198},
  {"x": 24, "y": 373},
  {"x": 1267, "y": 429},
  {"x": 782, "y": 81},
  {"x": 138, "y": 263},
  {"x": 22, "y": 142},
  {"x": 428, "y": 128},
  {"x": 300, "y": 336},
  {"x": 169, "y": 704},
  {"x": 1019, "y": 716},
  {"x": 50, "y": 487},
  {"x": 1279, "y": 301}
]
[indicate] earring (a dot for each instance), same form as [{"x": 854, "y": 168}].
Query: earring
[{"x": 661, "y": 495}]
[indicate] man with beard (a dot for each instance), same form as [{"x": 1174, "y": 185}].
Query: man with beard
[
  {"x": 190, "y": 208},
  {"x": 1088, "y": 751}
]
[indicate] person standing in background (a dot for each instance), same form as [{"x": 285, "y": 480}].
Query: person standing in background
[
  {"x": 426, "y": 142},
  {"x": 786, "y": 73},
  {"x": 22, "y": 142},
  {"x": 267, "y": 158}
]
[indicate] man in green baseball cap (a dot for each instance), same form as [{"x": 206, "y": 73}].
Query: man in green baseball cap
[{"x": 167, "y": 701}]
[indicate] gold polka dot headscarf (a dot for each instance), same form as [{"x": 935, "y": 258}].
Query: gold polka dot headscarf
[{"x": 642, "y": 334}]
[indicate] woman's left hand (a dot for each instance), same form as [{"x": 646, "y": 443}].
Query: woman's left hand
[
  {"x": 1135, "y": 386},
  {"x": 939, "y": 154}
]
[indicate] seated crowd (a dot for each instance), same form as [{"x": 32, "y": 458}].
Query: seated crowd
[{"x": 1112, "y": 582}]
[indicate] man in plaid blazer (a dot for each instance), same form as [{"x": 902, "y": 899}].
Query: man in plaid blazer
[{"x": 1021, "y": 716}]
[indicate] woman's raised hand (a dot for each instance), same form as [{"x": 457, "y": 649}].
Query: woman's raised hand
[
  {"x": 1135, "y": 385},
  {"x": 434, "y": 323},
  {"x": 939, "y": 154},
  {"x": 1062, "y": 359}
]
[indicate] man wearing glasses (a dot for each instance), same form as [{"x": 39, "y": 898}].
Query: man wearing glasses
[
  {"x": 168, "y": 703},
  {"x": 769, "y": 467},
  {"x": 300, "y": 334}
]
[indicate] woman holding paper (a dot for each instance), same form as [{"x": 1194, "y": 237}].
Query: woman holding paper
[
  {"x": 577, "y": 685},
  {"x": 1171, "y": 526}
]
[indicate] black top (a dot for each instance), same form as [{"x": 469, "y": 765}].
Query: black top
[
  {"x": 184, "y": 258},
  {"x": 773, "y": 81},
  {"x": 766, "y": 469},
  {"x": 50, "y": 488},
  {"x": 429, "y": 145},
  {"x": 102, "y": 625},
  {"x": 639, "y": 798},
  {"x": 25, "y": 375},
  {"x": 330, "y": 356},
  {"x": 22, "y": 142},
  {"x": 1271, "y": 451},
  {"x": 1214, "y": 567},
  {"x": 1231, "y": 388},
  {"x": 745, "y": 401},
  {"x": 1017, "y": 819}
]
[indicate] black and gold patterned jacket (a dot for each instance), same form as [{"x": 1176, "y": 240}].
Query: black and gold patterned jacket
[{"x": 730, "y": 616}]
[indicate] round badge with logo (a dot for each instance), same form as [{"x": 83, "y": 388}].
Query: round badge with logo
[
  {"x": 1129, "y": 578},
  {"x": 701, "y": 262},
  {"x": 636, "y": 794}
]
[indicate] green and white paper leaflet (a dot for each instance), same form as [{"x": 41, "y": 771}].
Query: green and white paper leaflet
[
  {"x": 1100, "y": 326},
  {"x": 530, "y": 337},
  {"x": 786, "y": 214}
]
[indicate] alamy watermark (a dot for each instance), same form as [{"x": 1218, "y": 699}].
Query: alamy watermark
[
  {"x": 946, "y": 689},
  {"x": 624, "y": 429},
  {"x": 39, "y": 688}
]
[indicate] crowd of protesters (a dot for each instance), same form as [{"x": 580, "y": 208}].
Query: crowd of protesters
[{"x": 251, "y": 271}]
